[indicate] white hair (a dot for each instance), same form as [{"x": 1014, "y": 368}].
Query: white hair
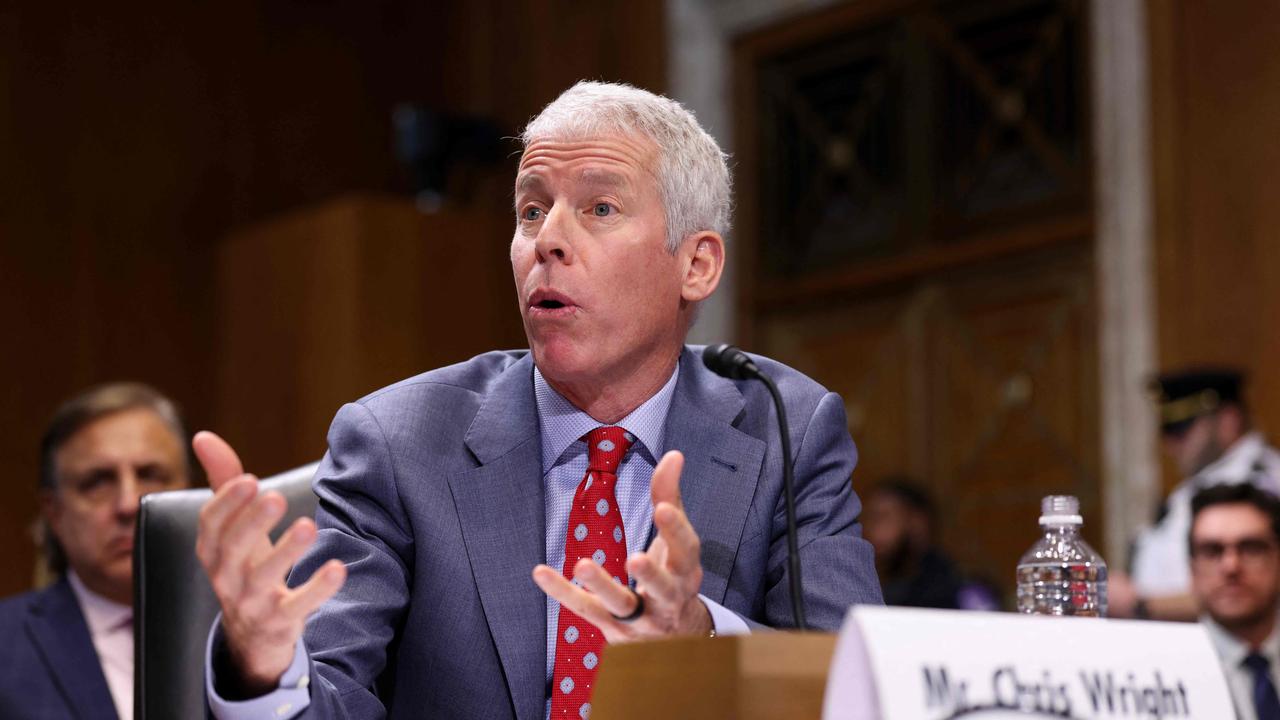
[{"x": 692, "y": 170}]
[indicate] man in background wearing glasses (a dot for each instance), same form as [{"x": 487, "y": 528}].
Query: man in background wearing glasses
[
  {"x": 1205, "y": 430},
  {"x": 1235, "y": 576}
]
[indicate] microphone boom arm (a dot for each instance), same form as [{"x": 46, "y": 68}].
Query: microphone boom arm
[
  {"x": 788, "y": 489},
  {"x": 729, "y": 361}
]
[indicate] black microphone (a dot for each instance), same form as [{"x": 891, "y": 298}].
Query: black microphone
[{"x": 728, "y": 361}]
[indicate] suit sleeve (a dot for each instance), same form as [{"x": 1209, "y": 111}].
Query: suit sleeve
[
  {"x": 362, "y": 522},
  {"x": 837, "y": 564}
]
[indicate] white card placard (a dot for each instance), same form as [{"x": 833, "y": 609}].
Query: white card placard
[{"x": 908, "y": 664}]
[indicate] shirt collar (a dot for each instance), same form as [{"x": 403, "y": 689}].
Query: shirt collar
[
  {"x": 102, "y": 614},
  {"x": 1236, "y": 464},
  {"x": 1233, "y": 651},
  {"x": 562, "y": 424}
]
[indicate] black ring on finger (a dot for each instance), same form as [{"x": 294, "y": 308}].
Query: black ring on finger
[{"x": 635, "y": 614}]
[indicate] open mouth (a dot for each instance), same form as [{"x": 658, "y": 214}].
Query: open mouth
[{"x": 550, "y": 302}]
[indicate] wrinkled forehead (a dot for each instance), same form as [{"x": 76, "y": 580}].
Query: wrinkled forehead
[{"x": 596, "y": 154}]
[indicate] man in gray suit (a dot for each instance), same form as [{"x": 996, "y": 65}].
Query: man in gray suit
[{"x": 457, "y": 506}]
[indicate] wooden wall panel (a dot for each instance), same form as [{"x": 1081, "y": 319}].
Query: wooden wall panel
[
  {"x": 873, "y": 354},
  {"x": 965, "y": 349},
  {"x": 326, "y": 305},
  {"x": 980, "y": 381},
  {"x": 132, "y": 142},
  {"x": 1216, "y": 110}
]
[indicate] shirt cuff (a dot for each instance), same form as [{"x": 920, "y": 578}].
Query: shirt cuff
[
  {"x": 289, "y": 699},
  {"x": 724, "y": 620}
]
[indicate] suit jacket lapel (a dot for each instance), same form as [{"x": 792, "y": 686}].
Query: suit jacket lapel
[
  {"x": 59, "y": 631},
  {"x": 501, "y": 509},
  {"x": 721, "y": 470}
]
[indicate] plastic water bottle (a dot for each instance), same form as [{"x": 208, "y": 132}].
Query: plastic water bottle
[{"x": 1061, "y": 574}]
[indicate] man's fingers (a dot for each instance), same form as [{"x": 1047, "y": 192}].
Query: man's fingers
[
  {"x": 220, "y": 461},
  {"x": 233, "y": 497},
  {"x": 614, "y": 597},
  {"x": 273, "y": 567},
  {"x": 244, "y": 540},
  {"x": 586, "y": 605},
  {"x": 227, "y": 501},
  {"x": 665, "y": 486},
  {"x": 657, "y": 551},
  {"x": 257, "y": 518},
  {"x": 656, "y": 583},
  {"x": 683, "y": 547},
  {"x": 554, "y": 584},
  {"x": 323, "y": 583}
]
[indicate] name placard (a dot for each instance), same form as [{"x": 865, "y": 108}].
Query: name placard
[{"x": 908, "y": 664}]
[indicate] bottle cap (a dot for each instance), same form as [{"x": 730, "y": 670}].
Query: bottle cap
[{"x": 1060, "y": 510}]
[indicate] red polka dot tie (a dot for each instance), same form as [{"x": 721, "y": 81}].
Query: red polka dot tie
[{"x": 596, "y": 532}]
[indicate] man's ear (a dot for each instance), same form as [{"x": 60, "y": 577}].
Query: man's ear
[{"x": 705, "y": 263}]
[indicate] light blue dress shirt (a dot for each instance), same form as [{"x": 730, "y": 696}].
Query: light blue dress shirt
[{"x": 564, "y": 464}]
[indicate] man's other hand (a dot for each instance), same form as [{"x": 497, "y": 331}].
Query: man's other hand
[
  {"x": 667, "y": 575},
  {"x": 262, "y": 618}
]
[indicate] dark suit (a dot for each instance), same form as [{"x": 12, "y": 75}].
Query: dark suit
[
  {"x": 432, "y": 495},
  {"x": 48, "y": 666}
]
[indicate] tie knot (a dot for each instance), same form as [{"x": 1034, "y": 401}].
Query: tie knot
[
  {"x": 1257, "y": 663},
  {"x": 606, "y": 446}
]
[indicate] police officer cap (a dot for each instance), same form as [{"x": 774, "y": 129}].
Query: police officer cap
[{"x": 1188, "y": 394}]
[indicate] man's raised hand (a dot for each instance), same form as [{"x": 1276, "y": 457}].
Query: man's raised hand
[
  {"x": 667, "y": 575},
  {"x": 262, "y": 618}
]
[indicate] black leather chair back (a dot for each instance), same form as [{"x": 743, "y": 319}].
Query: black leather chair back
[{"x": 174, "y": 606}]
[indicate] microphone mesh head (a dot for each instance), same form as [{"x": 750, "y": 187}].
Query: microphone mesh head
[
  {"x": 712, "y": 357},
  {"x": 728, "y": 361}
]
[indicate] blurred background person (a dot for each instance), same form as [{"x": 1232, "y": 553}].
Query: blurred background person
[
  {"x": 898, "y": 521},
  {"x": 1235, "y": 577},
  {"x": 1206, "y": 431},
  {"x": 69, "y": 647}
]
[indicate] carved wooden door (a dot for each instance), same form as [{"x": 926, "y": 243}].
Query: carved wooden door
[{"x": 914, "y": 184}]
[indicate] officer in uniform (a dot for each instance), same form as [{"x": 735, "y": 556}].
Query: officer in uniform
[{"x": 1205, "y": 430}]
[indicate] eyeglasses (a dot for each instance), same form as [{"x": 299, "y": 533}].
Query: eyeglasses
[{"x": 1249, "y": 550}]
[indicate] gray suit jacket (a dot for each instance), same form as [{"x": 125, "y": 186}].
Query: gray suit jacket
[{"x": 431, "y": 494}]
